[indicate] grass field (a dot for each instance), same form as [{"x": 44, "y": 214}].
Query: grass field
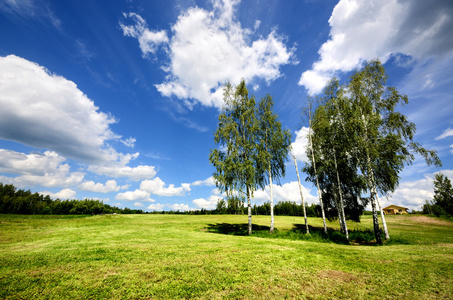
[{"x": 184, "y": 256}]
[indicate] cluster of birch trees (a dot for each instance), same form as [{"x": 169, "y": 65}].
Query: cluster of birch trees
[
  {"x": 358, "y": 145},
  {"x": 253, "y": 146}
]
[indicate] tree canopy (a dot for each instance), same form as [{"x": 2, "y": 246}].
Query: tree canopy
[
  {"x": 252, "y": 147},
  {"x": 361, "y": 143}
]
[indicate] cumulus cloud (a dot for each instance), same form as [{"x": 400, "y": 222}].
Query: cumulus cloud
[
  {"x": 63, "y": 194},
  {"x": 209, "y": 203},
  {"x": 286, "y": 192},
  {"x": 34, "y": 163},
  {"x": 207, "y": 182},
  {"x": 181, "y": 206},
  {"x": 109, "y": 186},
  {"x": 157, "y": 187},
  {"x": 138, "y": 204},
  {"x": 156, "y": 206},
  {"x": 148, "y": 39},
  {"x": 413, "y": 194},
  {"x": 134, "y": 173},
  {"x": 299, "y": 146},
  {"x": 362, "y": 30},
  {"x": 229, "y": 54},
  {"x": 37, "y": 169},
  {"x": 44, "y": 110},
  {"x": 137, "y": 195}
]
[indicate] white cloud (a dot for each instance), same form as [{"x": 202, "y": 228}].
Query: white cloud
[
  {"x": 137, "y": 195},
  {"x": 156, "y": 206},
  {"x": 207, "y": 182},
  {"x": 413, "y": 194},
  {"x": 362, "y": 30},
  {"x": 34, "y": 163},
  {"x": 148, "y": 40},
  {"x": 134, "y": 173},
  {"x": 299, "y": 146},
  {"x": 63, "y": 194},
  {"x": 37, "y": 169},
  {"x": 209, "y": 203},
  {"x": 138, "y": 204},
  {"x": 183, "y": 207},
  {"x": 448, "y": 132},
  {"x": 229, "y": 54},
  {"x": 286, "y": 192},
  {"x": 109, "y": 186},
  {"x": 44, "y": 110},
  {"x": 157, "y": 186},
  {"x": 129, "y": 142}
]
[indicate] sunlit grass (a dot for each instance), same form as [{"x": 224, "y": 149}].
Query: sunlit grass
[{"x": 178, "y": 256}]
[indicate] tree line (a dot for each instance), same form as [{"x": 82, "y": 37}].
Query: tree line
[
  {"x": 19, "y": 201},
  {"x": 282, "y": 208}
]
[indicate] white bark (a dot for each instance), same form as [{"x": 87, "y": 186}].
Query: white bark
[
  {"x": 384, "y": 223},
  {"x": 341, "y": 208},
  {"x": 317, "y": 181},
  {"x": 301, "y": 195},
  {"x": 249, "y": 211},
  {"x": 272, "y": 200}
]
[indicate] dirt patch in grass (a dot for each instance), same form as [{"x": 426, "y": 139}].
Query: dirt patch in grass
[
  {"x": 424, "y": 220},
  {"x": 336, "y": 275}
]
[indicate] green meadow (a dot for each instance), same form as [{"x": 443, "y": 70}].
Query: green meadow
[{"x": 209, "y": 257}]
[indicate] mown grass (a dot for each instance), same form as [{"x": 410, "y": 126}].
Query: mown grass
[{"x": 209, "y": 257}]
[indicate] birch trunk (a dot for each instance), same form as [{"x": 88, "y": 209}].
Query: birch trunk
[
  {"x": 371, "y": 185},
  {"x": 372, "y": 189},
  {"x": 384, "y": 224},
  {"x": 301, "y": 195},
  {"x": 341, "y": 208},
  {"x": 272, "y": 200},
  {"x": 317, "y": 181},
  {"x": 249, "y": 210}
]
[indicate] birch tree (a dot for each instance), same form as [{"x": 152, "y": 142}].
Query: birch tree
[
  {"x": 237, "y": 161},
  {"x": 383, "y": 137},
  {"x": 274, "y": 143},
  {"x": 311, "y": 153}
]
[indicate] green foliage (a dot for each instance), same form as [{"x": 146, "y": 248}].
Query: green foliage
[
  {"x": 235, "y": 205},
  {"x": 14, "y": 201},
  {"x": 443, "y": 194},
  {"x": 359, "y": 137},
  {"x": 252, "y": 148},
  {"x": 236, "y": 161},
  {"x": 273, "y": 141}
]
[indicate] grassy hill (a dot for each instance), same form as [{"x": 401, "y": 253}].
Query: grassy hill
[{"x": 184, "y": 256}]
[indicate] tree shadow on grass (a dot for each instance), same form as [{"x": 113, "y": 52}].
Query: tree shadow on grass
[
  {"x": 298, "y": 232},
  {"x": 235, "y": 229},
  {"x": 356, "y": 237}
]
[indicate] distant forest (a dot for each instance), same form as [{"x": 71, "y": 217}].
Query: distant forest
[{"x": 18, "y": 201}]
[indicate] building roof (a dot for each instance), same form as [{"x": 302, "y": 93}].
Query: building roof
[{"x": 394, "y": 206}]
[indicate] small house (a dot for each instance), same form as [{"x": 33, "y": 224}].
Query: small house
[{"x": 395, "y": 209}]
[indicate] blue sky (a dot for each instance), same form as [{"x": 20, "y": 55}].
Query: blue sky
[{"x": 118, "y": 100}]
